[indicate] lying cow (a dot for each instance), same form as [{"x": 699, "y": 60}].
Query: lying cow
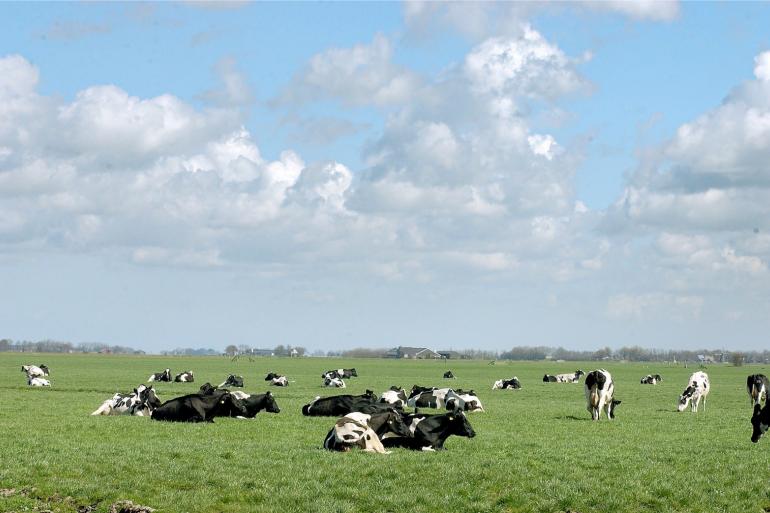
[
  {"x": 339, "y": 405},
  {"x": 38, "y": 382},
  {"x": 184, "y": 377},
  {"x": 760, "y": 421},
  {"x": 200, "y": 407},
  {"x": 277, "y": 380},
  {"x": 34, "y": 371},
  {"x": 448, "y": 375},
  {"x": 232, "y": 381},
  {"x": 334, "y": 383},
  {"x": 757, "y": 386},
  {"x": 696, "y": 391},
  {"x": 141, "y": 402},
  {"x": 340, "y": 374},
  {"x": 256, "y": 403},
  {"x": 161, "y": 376},
  {"x": 365, "y": 431},
  {"x": 600, "y": 394},
  {"x": 395, "y": 397},
  {"x": 432, "y": 398},
  {"x": 651, "y": 379},
  {"x": 507, "y": 384},
  {"x": 429, "y": 432},
  {"x": 455, "y": 401},
  {"x": 564, "y": 378}
]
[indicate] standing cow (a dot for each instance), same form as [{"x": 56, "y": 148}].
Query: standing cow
[
  {"x": 600, "y": 394},
  {"x": 696, "y": 391}
]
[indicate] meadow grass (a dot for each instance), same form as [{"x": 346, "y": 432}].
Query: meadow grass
[{"x": 535, "y": 451}]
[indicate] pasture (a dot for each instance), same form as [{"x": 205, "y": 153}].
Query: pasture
[{"x": 535, "y": 451}]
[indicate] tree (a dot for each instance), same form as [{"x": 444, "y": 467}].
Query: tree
[
  {"x": 737, "y": 359},
  {"x": 231, "y": 350}
]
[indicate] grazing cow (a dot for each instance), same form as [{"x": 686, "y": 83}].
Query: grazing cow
[
  {"x": 38, "y": 382},
  {"x": 507, "y": 384},
  {"x": 429, "y": 432},
  {"x": 339, "y": 405},
  {"x": 334, "y": 383},
  {"x": 651, "y": 379},
  {"x": 161, "y": 376},
  {"x": 395, "y": 397},
  {"x": 365, "y": 431},
  {"x": 232, "y": 381},
  {"x": 185, "y": 377},
  {"x": 600, "y": 394},
  {"x": 564, "y": 378},
  {"x": 34, "y": 371},
  {"x": 140, "y": 402},
  {"x": 448, "y": 375},
  {"x": 757, "y": 386},
  {"x": 697, "y": 390},
  {"x": 455, "y": 401},
  {"x": 255, "y": 404},
  {"x": 760, "y": 421},
  {"x": 200, "y": 407},
  {"x": 340, "y": 373}
]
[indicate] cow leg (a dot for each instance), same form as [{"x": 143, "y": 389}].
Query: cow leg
[{"x": 104, "y": 409}]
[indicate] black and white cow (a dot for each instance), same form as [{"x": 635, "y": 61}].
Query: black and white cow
[
  {"x": 507, "y": 384},
  {"x": 696, "y": 391},
  {"x": 365, "y": 431},
  {"x": 140, "y": 402},
  {"x": 600, "y": 394},
  {"x": 757, "y": 385},
  {"x": 334, "y": 383},
  {"x": 651, "y": 379},
  {"x": 232, "y": 381},
  {"x": 468, "y": 401},
  {"x": 340, "y": 374},
  {"x": 185, "y": 377},
  {"x": 38, "y": 382},
  {"x": 395, "y": 397},
  {"x": 200, "y": 407},
  {"x": 339, "y": 405},
  {"x": 429, "y": 432},
  {"x": 760, "y": 421},
  {"x": 431, "y": 398},
  {"x": 448, "y": 375},
  {"x": 35, "y": 371},
  {"x": 277, "y": 380},
  {"x": 564, "y": 378},
  {"x": 255, "y": 403},
  {"x": 161, "y": 376}
]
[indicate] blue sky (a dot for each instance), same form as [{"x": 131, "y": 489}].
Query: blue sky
[{"x": 372, "y": 174}]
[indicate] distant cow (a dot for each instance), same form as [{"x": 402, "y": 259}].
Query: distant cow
[
  {"x": 760, "y": 421},
  {"x": 34, "y": 371},
  {"x": 395, "y": 396},
  {"x": 757, "y": 386},
  {"x": 600, "y": 394},
  {"x": 161, "y": 376},
  {"x": 232, "y": 381},
  {"x": 200, "y": 407},
  {"x": 277, "y": 380},
  {"x": 429, "y": 432},
  {"x": 140, "y": 402},
  {"x": 365, "y": 431},
  {"x": 651, "y": 379},
  {"x": 564, "y": 378},
  {"x": 339, "y": 405},
  {"x": 38, "y": 382},
  {"x": 255, "y": 404},
  {"x": 507, "y": 384},
  {"x": 448, "y": 375},
  {"x": 334, "y": 383},
  {"x": 697, "y": 390},
  {"x": 340, "y": 374},
  {"x": 184, "y": 377}
]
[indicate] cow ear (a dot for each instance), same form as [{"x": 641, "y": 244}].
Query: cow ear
[{"x": 269, "y": 393}]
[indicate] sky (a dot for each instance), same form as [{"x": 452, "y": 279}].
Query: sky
[{"x": 339, "y": 175}]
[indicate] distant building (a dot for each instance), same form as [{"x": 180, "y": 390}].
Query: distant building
[
  {"x": 417, "y": 353},
  {"x": 452, "y": 355},
  {"x": 262, "y": 352}
]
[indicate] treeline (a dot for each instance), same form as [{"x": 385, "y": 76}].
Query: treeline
[
  {"x": 191, "y": 351},
  {"x": 56, "y": 346},
  {"x": 636, "y": 354}
]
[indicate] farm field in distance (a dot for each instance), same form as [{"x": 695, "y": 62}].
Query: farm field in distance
[{"x": 536, "y": 449}]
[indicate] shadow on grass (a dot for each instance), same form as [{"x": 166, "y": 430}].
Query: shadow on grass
[{"x": 571, "y": 417}]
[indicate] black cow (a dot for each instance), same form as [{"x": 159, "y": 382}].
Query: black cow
[
  {"x": 255, "y": 404},
  {"x": 233, "y": 381},
  {"x": 339, "y": 405},
  {"x": 161, "y": 376},
  {"x": 448, "y": 375},
  {"x": 200, "y": 407},
  {"x": 184, "y": 377},
  {"x": 340, "y": 373},
  {"x": 760, "y": 421},
  {"x": 431, "y": 431},
  {"x": 757, "y": 385}
]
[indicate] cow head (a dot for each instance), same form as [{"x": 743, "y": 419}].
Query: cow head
[
  {"x": 760, "y": 421},
  {"x": 230, "y": 406},
  {"x": 149, "y": 397},
  {"x": 270, "y": 405},
  {"x": 684, "y": 399},
  {"x": 353, "y": 373},
  {"x": 207, "y": 389},
  {"x": 579, "y": 373},
  {"x": 396, "y": 424},
  {"x": 460, "y": 425}
]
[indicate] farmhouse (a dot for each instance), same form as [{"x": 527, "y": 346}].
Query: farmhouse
[{"x": 417, "y": 353}]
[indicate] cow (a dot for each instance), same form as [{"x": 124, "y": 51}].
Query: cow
[
  {"x": 395, "y": 397},
  {"x": 185, "y": 377},
  {"x": 340, "y": 373},
  {"x": 200, "y": 407},
  {"x": 760, "y": 421},
  {"x": 507, "y": 384},
  {"x": 232, "y": 381},
  {"x": 600, "y": 394},
  {"x": 35, "y": 371},
  {"x": 339, "y": 405},
  {"x": 277, "y": 380},
  {"x": 429, "y": 432},
  {"x": 255, "y": 404},
  {"x": 651, "y": 379},
  {"x": 757, "y": 386},
  {"x": 564, "y": 378},
  {"x": 365, "y": 431},
  {"x": 455, "y": 401},
  {"x": 696, "y": 391},
  {"x": 431, "y": 398},
  {"x": 38, "y": 382},
  {"x": 161, "y": 376},
  {"x": 334, "y": 383},
  {"x": 448, "y": 375},
  {"x": 140, "y": 402}
]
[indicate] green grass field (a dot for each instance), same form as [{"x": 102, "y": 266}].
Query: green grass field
[{"x": 535, "y": 449}]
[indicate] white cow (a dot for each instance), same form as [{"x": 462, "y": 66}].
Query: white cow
[
  {"x": 600, "y": 394},
  {"x": 353, "y": 430},
  {"x": 38, "y": 382},
  {"x": 334, "y": 383},
  {"x": 140, "y": 402},
  {"x": 33, "y": 371},
  {"x": 696, "y": 391}
]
